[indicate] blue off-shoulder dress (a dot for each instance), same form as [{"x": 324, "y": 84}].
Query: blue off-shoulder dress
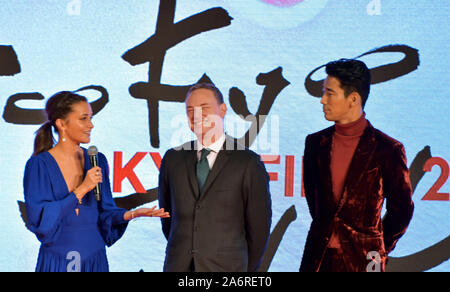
[{"x": 70, "y": 242}]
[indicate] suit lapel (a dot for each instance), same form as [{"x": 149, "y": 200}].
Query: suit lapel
[
  {"x": 221, "y": 160},
  {"x": 191, "y": 164}
]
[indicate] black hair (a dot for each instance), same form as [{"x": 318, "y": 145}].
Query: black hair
[
  {"x": 353, "y": 75},
  {"x": 57, "y": 107}
]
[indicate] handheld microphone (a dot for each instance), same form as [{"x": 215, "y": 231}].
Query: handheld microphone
[{"x": 92, "y": 152}]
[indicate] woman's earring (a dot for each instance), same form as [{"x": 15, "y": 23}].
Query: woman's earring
[{"x": 63, "y": 138}]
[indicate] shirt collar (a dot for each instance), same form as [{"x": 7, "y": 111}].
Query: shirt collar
[{"x": 215, "y": 147}]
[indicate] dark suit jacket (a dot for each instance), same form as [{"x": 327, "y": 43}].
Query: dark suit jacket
[
  {"x": 226, "y": 227},
  {"x": 377, "y": 171}
]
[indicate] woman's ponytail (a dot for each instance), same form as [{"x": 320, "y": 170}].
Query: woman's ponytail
[{"x": 44, "y": 139}]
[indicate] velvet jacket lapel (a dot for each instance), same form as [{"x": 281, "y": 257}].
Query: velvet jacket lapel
[
  {"x": 358, "y": 166},
  {"x": 360, "y": 162},
  {"x": 324, "y": 159}
]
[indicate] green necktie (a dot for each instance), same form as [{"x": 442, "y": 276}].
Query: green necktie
[{"x": 202, "y": 168}]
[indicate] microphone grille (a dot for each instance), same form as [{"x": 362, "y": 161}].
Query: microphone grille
[{"x": 92, "y": 150}]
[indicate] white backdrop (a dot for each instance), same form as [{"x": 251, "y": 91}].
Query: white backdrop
[{"x": 66, "y": 45}]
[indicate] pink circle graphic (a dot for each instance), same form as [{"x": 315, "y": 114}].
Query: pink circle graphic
[
  {"x": 279, "y": 14},
  {"x": 283, "y": 3}
]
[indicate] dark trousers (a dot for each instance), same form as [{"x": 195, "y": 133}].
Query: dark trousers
[{"x": 192, "y": 266}]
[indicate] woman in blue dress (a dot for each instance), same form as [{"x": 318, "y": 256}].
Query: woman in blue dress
[{"x": 71, "y": 225}]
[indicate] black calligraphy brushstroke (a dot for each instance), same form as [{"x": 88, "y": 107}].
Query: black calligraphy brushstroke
[
  {"x": 423, "y": 260},
  {"x": 276, "y": 236},
  {"x": 416, "y": 171},
  {"x": 9, "y": 63},
  {"x": 408, "y": 64},
  {"x": 274, "y": 83},
  {"x": 22, "y": 116},
  {"x": 138, "y": 55},
  {"x": 379, "y": 74},
  {"x": 169, "y": 34},
  {"x": 433, "y": 255},
  {"x": 98, "y": 104},
  {"x": 168, "y": 93},
  {"x": 153, "y": 50},
  {"x": 138, "y": 199}
]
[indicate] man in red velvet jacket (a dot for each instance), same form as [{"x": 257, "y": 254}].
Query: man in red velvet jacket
[{"x": 349, "y": 169}]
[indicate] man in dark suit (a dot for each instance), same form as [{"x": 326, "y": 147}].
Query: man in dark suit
[
  {"x": 217, "y": 193},
  {"x": 349, "y": 169}
]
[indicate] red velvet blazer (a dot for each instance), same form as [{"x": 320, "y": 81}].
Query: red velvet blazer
[{"x": 378, "y": 171}]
